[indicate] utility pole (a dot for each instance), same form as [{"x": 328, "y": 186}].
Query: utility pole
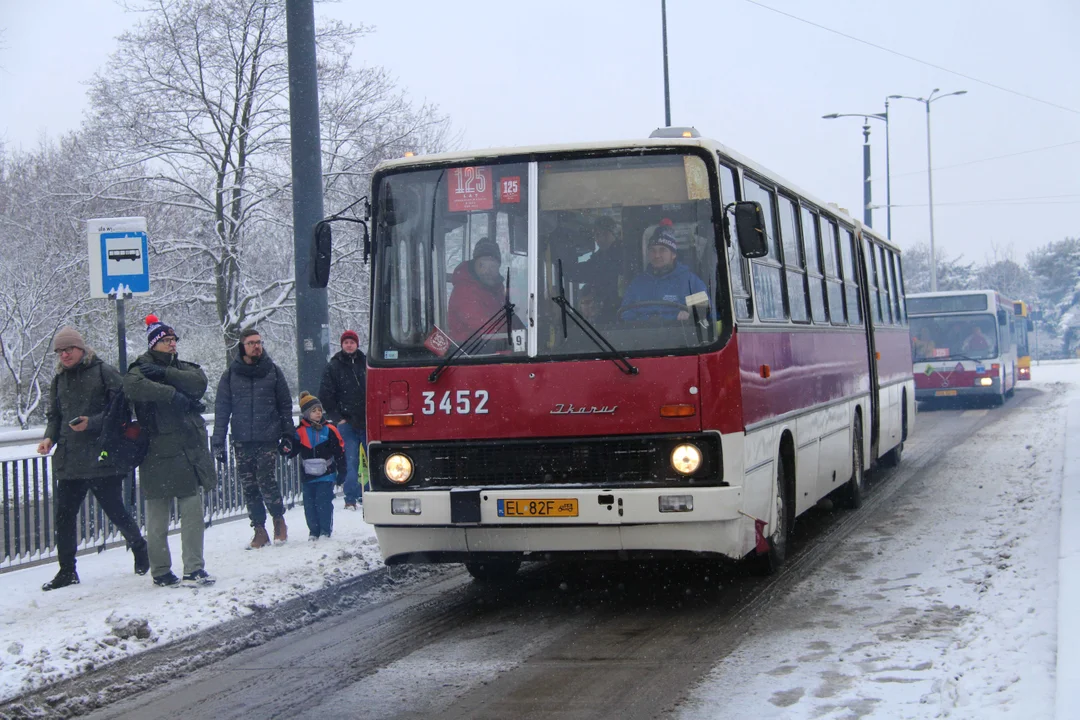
[
  {"x": 312, "y": 310},
  {"x": 667, "y": 90}
]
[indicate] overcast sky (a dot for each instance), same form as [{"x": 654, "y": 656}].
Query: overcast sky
[{"x": 514, "y": 73}]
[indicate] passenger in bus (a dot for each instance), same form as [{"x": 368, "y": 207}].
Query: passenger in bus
[
  {"x": 664, "y": 285},
  {"x": 478, "y": 293},
  {"x": 923, "y": 344},
  {"x": 589, "y": 304},
  {"x": 976, "y": 341},
  {"x": 601, "y": 270}
]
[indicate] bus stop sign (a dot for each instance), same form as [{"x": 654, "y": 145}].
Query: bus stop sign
[{"x": 117, "y": 250}]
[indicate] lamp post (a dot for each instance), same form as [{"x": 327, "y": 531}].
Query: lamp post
[
  {"x": 667, "y": 92},
  {"x": 866, "y": 163},
  {"x": 929, "y": 170}
]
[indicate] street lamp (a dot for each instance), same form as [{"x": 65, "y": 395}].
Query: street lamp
[
  {"x": 867, "y": 216},
  {"x": 929, "y": 170},
  {"x": 667, "y": 93}
]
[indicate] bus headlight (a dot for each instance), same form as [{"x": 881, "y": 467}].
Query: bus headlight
[
  {"x": 986, "y": 382},
  {"x": 686, "y": 459},
  {"x": 398, "y": 468}
]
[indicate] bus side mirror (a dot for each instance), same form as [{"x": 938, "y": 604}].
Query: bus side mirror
[
  {"x": 750, "y": 226},
  {"x": 320, "y": 255}
]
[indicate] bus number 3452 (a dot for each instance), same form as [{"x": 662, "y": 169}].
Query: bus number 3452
[{"x": 462, "y": 402}]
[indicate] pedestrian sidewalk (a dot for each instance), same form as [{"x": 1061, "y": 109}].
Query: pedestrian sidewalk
[
  {"x": 49, "y": 636},
  {"x": 1068, "y": 607}
]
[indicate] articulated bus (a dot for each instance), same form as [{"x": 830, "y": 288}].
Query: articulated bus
[
  {"x": 1023, "y": 352},
  {"x": 739, "y": 351},
  {"x": 964, "y": 344}
]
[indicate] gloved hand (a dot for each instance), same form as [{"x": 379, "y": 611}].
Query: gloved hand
[
  {"x": 182, "y": 402},
  {"x": 285, "y": 445},
  {"x": 220, "y": 453},
  {"x": 152, "y": 371}
]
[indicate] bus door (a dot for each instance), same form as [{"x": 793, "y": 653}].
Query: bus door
[{"x": 867, "y": 265}]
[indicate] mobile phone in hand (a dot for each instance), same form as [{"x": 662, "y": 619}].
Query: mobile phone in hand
[{"x": 74, "y": 421}]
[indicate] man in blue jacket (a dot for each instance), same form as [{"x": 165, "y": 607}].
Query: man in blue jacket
[
  {"x": 253, "y": 397},
  {"x": 665, "y": 280}
]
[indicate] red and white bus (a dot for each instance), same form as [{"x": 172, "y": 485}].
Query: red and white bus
[
  {"x": 964, "y": 344},
  {"x": 629, "y": 407}
]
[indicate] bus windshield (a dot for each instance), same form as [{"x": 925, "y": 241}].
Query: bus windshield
[
  {"x": 971, "y": 337},
  {"x": 472, "y": 259}
]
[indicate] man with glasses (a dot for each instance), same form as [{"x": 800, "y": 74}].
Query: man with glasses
[
  {"x": 253, "y": 398},
  {"x": 166, "y": 392},
  {"x": 80, "y": 393}
]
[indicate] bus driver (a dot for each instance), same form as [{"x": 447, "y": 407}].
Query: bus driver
[
  {"x": 478, "y": 292},
  {"x": 665, "y": 283}
]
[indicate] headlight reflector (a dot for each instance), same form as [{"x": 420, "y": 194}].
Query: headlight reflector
[
  {"x": 686, "y": 459},
  {"x": 398, "y": 468}
]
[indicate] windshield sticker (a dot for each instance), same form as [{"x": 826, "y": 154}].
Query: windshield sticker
[
  {"x": 437, "y": 341},
  {"x": 510, "y": 190},
  {"x": 470, "y": 189},
  {"x": 941, "y": 352},
  {"x": 390, "y": 355}
]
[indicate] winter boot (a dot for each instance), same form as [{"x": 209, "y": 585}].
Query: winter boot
[
  {"x": 62, "y": 579},
  {"x": 281, "y": 531},
  {"x": 261, "y": 539},
  {"x": 142, "y": 559}
]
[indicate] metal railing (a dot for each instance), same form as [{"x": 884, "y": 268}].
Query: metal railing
[{"x": 28, "y": 489}]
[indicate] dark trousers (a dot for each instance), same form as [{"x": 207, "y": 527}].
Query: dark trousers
[
  {"x": 110, "y": 496},
  {"x": 256, "y": 468},
  {"x": 319, "y": 507}
]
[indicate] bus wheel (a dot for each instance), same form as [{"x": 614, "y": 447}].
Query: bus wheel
[
  {"x": 493, "y": 571},
  {"x": 852, "y": 493},
  {"x": 769, "y": 562}
]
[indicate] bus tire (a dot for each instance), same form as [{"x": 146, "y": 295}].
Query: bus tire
[
  {"x": 493, "y": 571},
  {"x": 851, "y": 495},
  {"x": 769, "y": 562}
]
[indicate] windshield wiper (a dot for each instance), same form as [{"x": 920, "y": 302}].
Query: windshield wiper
[
  {"x": 473, "y": 343},
  {"x": 589, "y": 330}
]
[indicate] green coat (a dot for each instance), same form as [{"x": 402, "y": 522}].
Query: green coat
[
  {"x": 178, "y": 461},
  {"x": 83, "y": 390}
]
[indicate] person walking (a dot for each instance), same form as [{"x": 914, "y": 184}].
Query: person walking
[
  {"x": 166, "y": 392},
  {"x": 80, "y": 392},
  {"x": 343, "y": 392},
  {"x": 253, "y": 399},
  {"x": 322, "y": 455}
]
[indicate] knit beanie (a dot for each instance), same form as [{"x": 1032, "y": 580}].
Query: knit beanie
[
  {"x": 68, "y": 337},
  {"x": 350, "y": 335},
  {"x": 156, "y": 331},
  {"x": 487, "y": 248},
  {"x": 308, "y": 402}
]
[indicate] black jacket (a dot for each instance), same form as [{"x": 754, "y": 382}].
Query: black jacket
[
  {"x": 344, "y": 388},
  {"x": 255, "y": 400},
  {"x": 83, "y": 390}
]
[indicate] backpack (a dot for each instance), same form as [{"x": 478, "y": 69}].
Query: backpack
[{"x": 122, "y": 440}]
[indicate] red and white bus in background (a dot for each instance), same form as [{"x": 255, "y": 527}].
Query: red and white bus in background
[
  {"x": 964, "y": 344},
  {"x": 633, "y": 406}
]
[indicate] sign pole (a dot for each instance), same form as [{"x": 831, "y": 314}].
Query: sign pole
[{"x": 121, "y": 365}]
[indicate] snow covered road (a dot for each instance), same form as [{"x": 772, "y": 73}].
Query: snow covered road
[{"x": 937, "y": 601}]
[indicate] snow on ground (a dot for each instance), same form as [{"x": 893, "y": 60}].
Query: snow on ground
[
  {"x": 47, "y": 636},
  {"x": 943, "y": 607}
]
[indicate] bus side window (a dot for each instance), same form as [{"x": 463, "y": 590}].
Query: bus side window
[
  {"x": 872, "y": 283},
  {"x": 851, "y": 280},
  {"x": 885, "y": 287},
  {"x": 794, "y": 262},
  {"x": 736, "y": 263},
  {"x": 814, "y": 270},
  {"x": 768, "y": 274},
  {"x": 833, "y": 282}
]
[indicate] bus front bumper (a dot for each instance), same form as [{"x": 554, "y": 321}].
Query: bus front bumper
[{"x": 453, "y": 525}]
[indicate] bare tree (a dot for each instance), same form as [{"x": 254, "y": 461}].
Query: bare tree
[{"x": 197, "y": 96}]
